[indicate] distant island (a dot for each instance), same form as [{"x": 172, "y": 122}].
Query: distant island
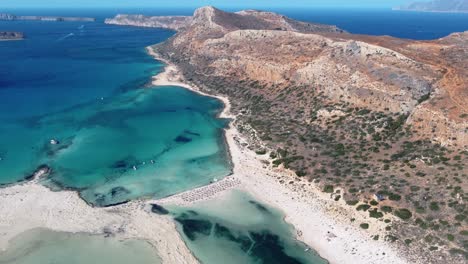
[
  {"x": 449, "y": 6},
  {"x": 11, "y": 17},
  {"x": 5, "y": 35}
]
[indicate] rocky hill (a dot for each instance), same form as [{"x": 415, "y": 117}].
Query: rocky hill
[
  {"x": 437, "y": 6},
  {"x": 357, "y": 115},
  {"x": 168, "y": 22}
]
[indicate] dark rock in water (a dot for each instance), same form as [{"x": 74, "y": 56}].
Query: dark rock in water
[
  {"x": 157, "y": 209},
  {"x": 192, "y": 227},
  {"x": 268, "y": 248},
  {"x": 182, "y": 139},
  {"x": 222, "y": 231},
  {"x": 121, "y": 164},
  {"x": 41, "y": 171},
  {"x": 119, "y": 191},
  {"x": 4, "y": 35},
  {"x": 260, "y": 207}
]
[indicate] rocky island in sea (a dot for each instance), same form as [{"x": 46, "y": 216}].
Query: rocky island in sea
[
  {"x": 11, "y": 17},
  {"x": 5, "y": 35}
]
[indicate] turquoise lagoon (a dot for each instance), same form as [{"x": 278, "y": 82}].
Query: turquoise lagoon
[
  {"x": 45, "y": 246},
  {"x": 86, "y": 85},
  {"x": 237, "y": 229}
]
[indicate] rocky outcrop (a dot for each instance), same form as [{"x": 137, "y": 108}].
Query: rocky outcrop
[
  {"x": 167, "y": 22},
  {"x": 4, "y": 35},
  {"x": 437, "y": 6},
  {"x": 381, "y": 73}
]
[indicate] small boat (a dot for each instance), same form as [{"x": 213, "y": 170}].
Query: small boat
[
  {"x": 134, "y": 168},
  {"x": 152, "y": 161},
  {"x": 54, "y": 142}
]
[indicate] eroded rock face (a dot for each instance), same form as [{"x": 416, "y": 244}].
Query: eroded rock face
[{"x": 425, "y": 79}]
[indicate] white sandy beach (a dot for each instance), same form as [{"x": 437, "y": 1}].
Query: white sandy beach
[
  {"x": 320, "y": 222},
  {"x": 31, "y": 205}
]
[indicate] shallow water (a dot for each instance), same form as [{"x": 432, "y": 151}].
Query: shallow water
[
  {"x": 238, "y": 229},
  {"x": 45, "y": 246},
  {"x": 46, "y": 74},
  {"x": 148, "y": 142},
  {"x": 85, "y": 85}
]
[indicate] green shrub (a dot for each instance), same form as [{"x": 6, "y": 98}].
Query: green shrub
[
  {"x": 374, "y": 202},
  {"x": 364, "y": 226},
  {"x": 363, "y": 207},
  {"x": 261, "y": 152},
  {"x": 394, "y": 197},
  {"x": 450, "y": 237},
  {"x": 352, "y": 202},
  {"x": 328, "y": 189},
  {"x": 404, "y": 214},
  {"x": 434, "y": 206},
  {"x": 375, "y": 214},
  {"x": 386, "y": 209}
]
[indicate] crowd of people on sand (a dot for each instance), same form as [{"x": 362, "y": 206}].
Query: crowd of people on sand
[{"x": 210, "y": 190}]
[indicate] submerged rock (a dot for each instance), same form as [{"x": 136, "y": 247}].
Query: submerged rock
[
  {"x": 41, "y": 171},
  {"x": 118, "y": 191},
  {"x": 192, "y": 227},
  {"x": 182, "y": 139},
  {"x": 269, "y": 248},
  {"x": 157, "y": 209}
]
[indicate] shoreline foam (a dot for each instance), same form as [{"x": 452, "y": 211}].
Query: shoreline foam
[{"x": 320, "y": 222}]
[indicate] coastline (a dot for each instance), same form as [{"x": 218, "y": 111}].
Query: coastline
[
  {"x": 319, "y": 221},
  {"x": 30, "y": 205}
]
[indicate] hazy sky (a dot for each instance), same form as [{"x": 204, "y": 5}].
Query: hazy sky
[{"x": 196, "y": 3}]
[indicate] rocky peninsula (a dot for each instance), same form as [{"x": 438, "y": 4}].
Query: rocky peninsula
[{"x": 392, "y": 112}]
